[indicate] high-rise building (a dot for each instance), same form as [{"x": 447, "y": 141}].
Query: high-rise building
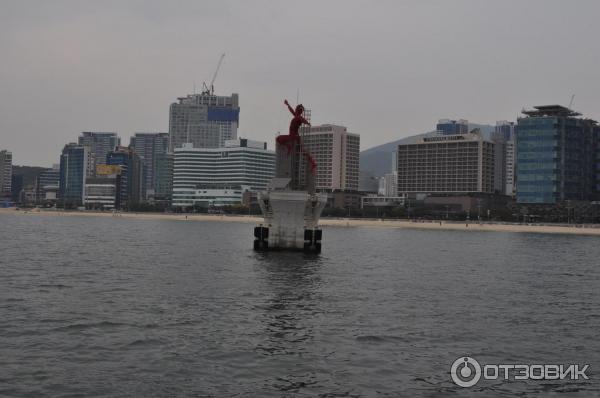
[
  {"x": 336, "y": 152},
  {"x": 130, "y": 190},
  {"x": 204, "y": 120},
  {"x": 388, "y": 184},
  {"x": 597, "y": 166},
  {"x": 446, "y": 164},
  {"x": 76, "y": 163},
  {"x": 148, "y": 146},
  {"x": 218, "y": 176},
  {"x": 47, "y": 184},
  {"x": 505, "y": 135},
  {"x": 17, "y": 182},
  {"x": 555, "y": 156},
  {"x": 100, "y": 144},
  {"x": 447, "y": 126},
  {"x": 510, "y": 159},
  {"x": 163, "y": 177},
  {"x": 505, "y": 129},
  {"x": 5, "y": 173}
]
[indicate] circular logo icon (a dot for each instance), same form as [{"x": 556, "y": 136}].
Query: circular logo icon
[{"x": 465, "y": 372}]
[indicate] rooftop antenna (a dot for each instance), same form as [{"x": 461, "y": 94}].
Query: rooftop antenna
[{"x": 571, "y": 102}]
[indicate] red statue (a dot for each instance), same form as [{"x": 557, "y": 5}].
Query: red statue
[{"x": 293, "y": 137}]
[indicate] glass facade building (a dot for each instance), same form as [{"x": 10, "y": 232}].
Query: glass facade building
[
  {"x": 597, "y": 163},
  {"x": 148, "y": 146},
  {"x": 130, "y": 190},
  {"x": 74, "y": 168},
  {"x": 163, "y": 177},
  {"x": 505, "y": 130},
  {"x": 100, "y": 144},
  {"x": 555, "y": 156}
]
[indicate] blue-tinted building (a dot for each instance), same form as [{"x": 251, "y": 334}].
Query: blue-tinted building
[
  {"x": 555, "y": 156},
  {"x": 47, "y": 184},
  {"x": 131, "y": 181},
  {"x": 505, "y": 130},
  {"x": 597, "y": 168},
  {"x": 100, "y": 144},
  {"x": 149, "y": 146},
  {"x": 76, "y": 163},
  {"x": 16, "y": 187},
  {"x": 448, "y": 127}
]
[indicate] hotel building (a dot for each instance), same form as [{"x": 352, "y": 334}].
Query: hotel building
[
  {"x": 446, "y": 164},
  {"x": 218, "y": 176}
]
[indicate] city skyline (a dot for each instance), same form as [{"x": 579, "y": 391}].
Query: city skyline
[{"x": 387, "y": 76}]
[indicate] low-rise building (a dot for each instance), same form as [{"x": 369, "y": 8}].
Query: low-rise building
[
  {"x": 214, "y": 195},
  {"x": 101, "y": 192},
  {"x": 382, "y": 201}
]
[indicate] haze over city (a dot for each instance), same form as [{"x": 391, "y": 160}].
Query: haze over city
[{"x": 385, "y": 70}]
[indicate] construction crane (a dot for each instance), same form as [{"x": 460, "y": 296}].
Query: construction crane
[
  {"x": 571, "y": 102},
  {"x": 210, "y": 89}
]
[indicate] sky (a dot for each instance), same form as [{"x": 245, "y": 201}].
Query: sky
[{"x": 384, "y": 69}]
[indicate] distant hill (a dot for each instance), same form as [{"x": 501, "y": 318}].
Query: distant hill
[{"x": 377, "y": 161}]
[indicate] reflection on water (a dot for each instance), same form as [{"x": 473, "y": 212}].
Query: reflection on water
[{"x": 291, "y": 282}]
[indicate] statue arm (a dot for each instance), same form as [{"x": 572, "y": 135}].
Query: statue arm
[
  {"x": 289, "y": 107},
  {"x": 305, "y": 121}
]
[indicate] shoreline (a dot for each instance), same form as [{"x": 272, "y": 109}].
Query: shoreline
[{"x": 593, "y": 230}]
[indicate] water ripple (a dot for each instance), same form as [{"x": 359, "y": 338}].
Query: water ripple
[{"x": 124, "y": 307}]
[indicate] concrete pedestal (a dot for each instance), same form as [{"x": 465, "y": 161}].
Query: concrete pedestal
[{"x": 290, "y": 205}]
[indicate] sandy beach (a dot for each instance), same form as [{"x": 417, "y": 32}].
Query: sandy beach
[{"x": 335, "y": 222}]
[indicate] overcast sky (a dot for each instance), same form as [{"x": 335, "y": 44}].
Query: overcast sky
[{"x": 384, "y": 69}]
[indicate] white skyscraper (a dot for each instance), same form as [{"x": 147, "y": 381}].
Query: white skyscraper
[
  {"x": 218, "y": 176},
  {"x": 5, "y": 173},
  {"x": 336, "y": 152},
  {"x": 204, "y": 120}
]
